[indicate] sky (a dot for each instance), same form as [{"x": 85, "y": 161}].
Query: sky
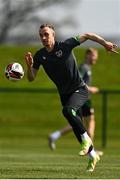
[{"x": 98, "y": 16}]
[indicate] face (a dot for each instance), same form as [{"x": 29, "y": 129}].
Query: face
[
  {"x": 92, "y": 57},
  {"x": 47, "y": 36}
]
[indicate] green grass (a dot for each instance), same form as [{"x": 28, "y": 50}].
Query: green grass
[
  {"x": 30, "y": 157},
  {"x": 26, "y": 119}
]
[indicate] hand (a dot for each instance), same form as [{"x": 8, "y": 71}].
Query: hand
[
  {"x": 29, "y": 59},
  {"x": 111, "y": 47},
  {"x": 93, "y": 90}
]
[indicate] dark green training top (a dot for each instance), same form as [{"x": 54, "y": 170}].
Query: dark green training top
[
  {"x": 86, "y": 73},
  {"x": 60, "y": 65}
]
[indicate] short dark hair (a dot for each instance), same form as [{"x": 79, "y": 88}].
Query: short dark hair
[{"x": 47, "y": 25}]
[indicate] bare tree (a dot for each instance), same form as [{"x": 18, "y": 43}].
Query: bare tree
[{"x": 23, "y": 14}]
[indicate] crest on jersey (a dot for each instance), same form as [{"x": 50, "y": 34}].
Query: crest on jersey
[{"x": 59, "y": 53}]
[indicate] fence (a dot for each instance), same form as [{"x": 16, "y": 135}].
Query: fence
[{"x": 104, "y": 94}]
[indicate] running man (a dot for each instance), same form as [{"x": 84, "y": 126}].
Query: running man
[
  {"x": 91, "y": 56},
  {"x": 59, "y": 63}
]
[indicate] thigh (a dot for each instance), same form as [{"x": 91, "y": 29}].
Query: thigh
[
  {"x": 78, "y": 98},
  {"x": 87, "y": 109}
]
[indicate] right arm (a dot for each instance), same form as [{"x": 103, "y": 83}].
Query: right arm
[
  {"x": 31, "y": 72},
  {"x": 109, "y": 46}
]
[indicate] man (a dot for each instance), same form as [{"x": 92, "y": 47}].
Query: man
[
  {"x": 59, "y": 64},
  {"x": 91, "y": 56}
]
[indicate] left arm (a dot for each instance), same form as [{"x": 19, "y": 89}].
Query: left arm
[{"x": 109, "y": 46}]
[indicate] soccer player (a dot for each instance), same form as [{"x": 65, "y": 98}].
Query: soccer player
[
  {"x": 91, "y": 56},
  {"x": 59, "y": 63}
]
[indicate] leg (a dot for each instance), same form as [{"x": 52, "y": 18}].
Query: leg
[
  {"x": 66, "y": 130},
  {"x": 89, "y": 121},
  {"x": 75, "y": 119},
  {"x": 57, "y": 134},
  {"x": 70, "y": 100},
  {"x": 91, "y": 126},
  {"x": 70, "y": 110},
  {"x": 89, "y": 118},
  {"x": 78, "y": 129}
]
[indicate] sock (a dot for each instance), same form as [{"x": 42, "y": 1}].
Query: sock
[
  {"x": 85, "y": 136},
  {"x": 55, "y": 135},
  {"x": 92, "y": 153}
]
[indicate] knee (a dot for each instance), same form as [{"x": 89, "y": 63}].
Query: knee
[
  {"x": 68, "y": 112},
  {"x": 70, "y": 115}
]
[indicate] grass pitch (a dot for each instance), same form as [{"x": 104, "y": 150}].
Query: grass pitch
[
  {"x": 26, "y": 119},
  {"x": 32, "y": 158}
]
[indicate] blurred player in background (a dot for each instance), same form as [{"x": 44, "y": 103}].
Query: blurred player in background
[
  {"x": 59, "y": 63},
  {"x": 91, "y": 56}
]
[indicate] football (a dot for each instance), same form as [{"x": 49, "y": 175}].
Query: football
[{"x": 14, "y": 71}]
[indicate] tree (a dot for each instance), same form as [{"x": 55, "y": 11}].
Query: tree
[{"x": 17, "y": 18}]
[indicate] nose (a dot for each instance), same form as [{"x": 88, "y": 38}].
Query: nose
[{"x": 43, "y": 37}]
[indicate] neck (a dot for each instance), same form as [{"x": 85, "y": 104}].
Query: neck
[
  {"x": 87, "y": 61},
  {"x": 50, "y": 47}
]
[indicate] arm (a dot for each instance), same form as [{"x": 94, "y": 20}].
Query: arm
[
  {"x": 109, "y": 46},
  {"x": 31, "y": 72}
]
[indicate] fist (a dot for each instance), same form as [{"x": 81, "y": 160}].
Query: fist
[
  {"x": 93, "y": 90},
  {"x": 29, "y": 59},
  {"x": 111, "y": 47}
]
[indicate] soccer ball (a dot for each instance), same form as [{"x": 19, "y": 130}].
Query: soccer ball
[{"x": 14, "y": 71}]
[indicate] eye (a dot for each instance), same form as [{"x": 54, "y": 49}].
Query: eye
[{"x": 46, "y": 34}]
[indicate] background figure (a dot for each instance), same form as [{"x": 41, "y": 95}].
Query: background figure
[{"x": 91, "y": 56}]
